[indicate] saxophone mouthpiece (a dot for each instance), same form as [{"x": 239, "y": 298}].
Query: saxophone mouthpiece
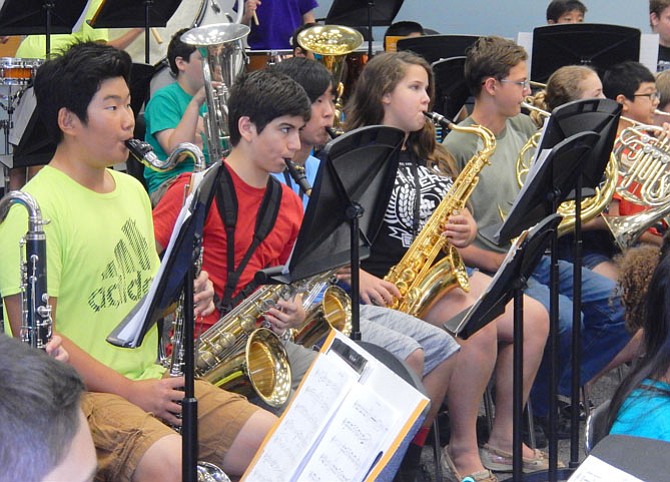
[
  {"x": 440, "y": 119},
  {"x": 142, "y": 151}
]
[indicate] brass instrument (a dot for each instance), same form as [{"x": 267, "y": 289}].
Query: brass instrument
[
  {"x": 591, "y": 207},
  {"x": 644, "y": 179},
  {"x": 333, "y": 311},
  {"x": 417, "y": 279},
  {"x": 223, "y": 60},
  {"x": 333, "y": 43},
  {"x": 36, "y": 322},
  {"x": 223, "y": 355}
]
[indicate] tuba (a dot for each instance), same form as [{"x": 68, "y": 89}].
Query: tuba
[
  {"x": 36, "y": 322},
  {"x": 333, "y": 43},
  {"x": 591, "y": 207},
  {"x": 417, "y": 279},
  {"x": 223, "y": 60}
]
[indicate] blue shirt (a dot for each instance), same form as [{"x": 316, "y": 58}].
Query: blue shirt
[{"x": 646, "y": 412}]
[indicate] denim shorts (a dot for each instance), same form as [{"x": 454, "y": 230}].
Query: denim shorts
[{"x": 402, "y": 334}]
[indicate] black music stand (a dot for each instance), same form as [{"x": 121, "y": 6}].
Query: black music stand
[
  {"x": 135, "y": 14},
  {"x": 451, "y": 91},
  {"x": 356, "y": 175},
  {"x": 178, "y": 274},
  {"x": 600, "y": 116},
  {"x": 555, "y": 177},
  {"x": 40, "y": 17},
  {"x": 509, "y": 283},
  {"x": 379, "y": 13},
  {"x": 437, "y": 47},
  {"x": 597, "y": 45}
]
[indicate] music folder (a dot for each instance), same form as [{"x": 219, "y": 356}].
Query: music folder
[{"x": 345, "y": 422}]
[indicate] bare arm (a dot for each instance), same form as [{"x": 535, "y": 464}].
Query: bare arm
[
  {"x": 156, "y": 396},
  {"x": 483, "y": 259},
  {"x": 126, "y": 39},
  {"x": 308, "y": 17},
  {"x": 189, "y": 127}
]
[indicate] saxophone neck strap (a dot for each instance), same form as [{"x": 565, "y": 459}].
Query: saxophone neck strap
[{"x": 226, "y": 201}]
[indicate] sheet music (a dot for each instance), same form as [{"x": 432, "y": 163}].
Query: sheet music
[
  {"x": 340, "y": 424},
  {"x": 594, "y": 469},
  {"x": 131, "y": 331},
  {"x": 649, "y": 51},
  {"x": 354, "y": 439},
  {"x": 329, "y": 381}
]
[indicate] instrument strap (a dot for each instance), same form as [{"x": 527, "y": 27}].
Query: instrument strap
[{"x": 226, "y": 201}]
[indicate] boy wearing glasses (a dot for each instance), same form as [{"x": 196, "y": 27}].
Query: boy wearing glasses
[
  {"x": 496, "y": 73},
  {"x": 633, "y": 86}
]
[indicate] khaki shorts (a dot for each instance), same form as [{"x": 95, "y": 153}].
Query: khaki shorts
[{"x": 123, "y": 432}]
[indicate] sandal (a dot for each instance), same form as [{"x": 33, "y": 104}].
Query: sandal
[
  {"x": 501, "y": 461},
  {"x": 451, "y": 474}
]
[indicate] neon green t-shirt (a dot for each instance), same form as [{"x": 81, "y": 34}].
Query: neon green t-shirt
[
  {"x": 101, "y": 258},
  {"x": 35, "y": 46}
]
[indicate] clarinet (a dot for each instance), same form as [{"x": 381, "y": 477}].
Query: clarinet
[
  {"x": 299, "y": 175},
  {"x": 36, "y": 322}
]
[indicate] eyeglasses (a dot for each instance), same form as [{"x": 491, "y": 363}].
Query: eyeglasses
[
  {"x": 523, "y": 83},
  {"x": 653, "y": 96}
]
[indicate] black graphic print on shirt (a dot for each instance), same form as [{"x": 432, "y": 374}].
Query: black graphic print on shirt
[
  {"x": 399, "y": 216},
  {"x": 127, "y": 276}
]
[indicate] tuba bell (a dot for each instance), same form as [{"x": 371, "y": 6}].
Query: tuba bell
[
  {"x": 223, "y": 60},
  {"x": 333, "y": 43}
]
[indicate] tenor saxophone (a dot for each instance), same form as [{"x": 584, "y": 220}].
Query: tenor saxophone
[
  {"x": 36, "y": 322},
  {"x": 416, "y": 277}
]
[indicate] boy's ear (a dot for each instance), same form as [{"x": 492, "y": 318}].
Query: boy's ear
[
  {"x": 246, "y": 127},
  {"x": 67, "y": 120}
]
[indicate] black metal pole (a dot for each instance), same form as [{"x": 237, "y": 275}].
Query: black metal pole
[
  {"x": 576, "y": 328},
  {"x": 189, "y": 431},
  {"x": 517, "y": 401},
  {"x": 147, "y": 29},
  {"x": 371, "y": 5},
  {"x": 353, "y": 213}
]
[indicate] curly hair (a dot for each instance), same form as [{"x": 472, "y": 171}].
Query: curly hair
[{"x": 636, "y": 266}]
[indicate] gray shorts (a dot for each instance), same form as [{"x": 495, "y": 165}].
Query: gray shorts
[{"x": 402, "y": 334}]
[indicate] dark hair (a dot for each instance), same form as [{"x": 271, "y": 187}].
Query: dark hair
[
  {"x": 655, "y": 360},
  {"x": 402, "y": 29},
  {"x": 625, "y": 78},
  {"x": 379, "y": 77},
  {"x": 263, "y": 96},
  {"x": 293, "y": 41},
  {"x": 310, "y": 74},
  {"x": 558, "y": 7},
  {"x": 490, "y": 57},
  {"x": 177, "y": 48},
  {"x": 72, "y": 79},
  {"x": 39, "y": 411}
]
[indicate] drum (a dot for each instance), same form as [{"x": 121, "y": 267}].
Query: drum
[
  {"x": 260, "y": 59},
  {"x": 15, "y": 71},
  {"x": 189, "y": 14}
]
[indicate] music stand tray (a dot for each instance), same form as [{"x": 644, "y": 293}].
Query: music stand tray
[
  {"x": 521, "y": 260},
  {"x": 353, "y": 13},
  {"x": 436, "y": 47},
  {"x": 21, "y": 17}
]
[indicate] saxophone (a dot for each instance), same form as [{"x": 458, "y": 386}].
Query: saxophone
[
  {"x": 416, "y": 277},
  {"x": 36, "y": 322}
]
